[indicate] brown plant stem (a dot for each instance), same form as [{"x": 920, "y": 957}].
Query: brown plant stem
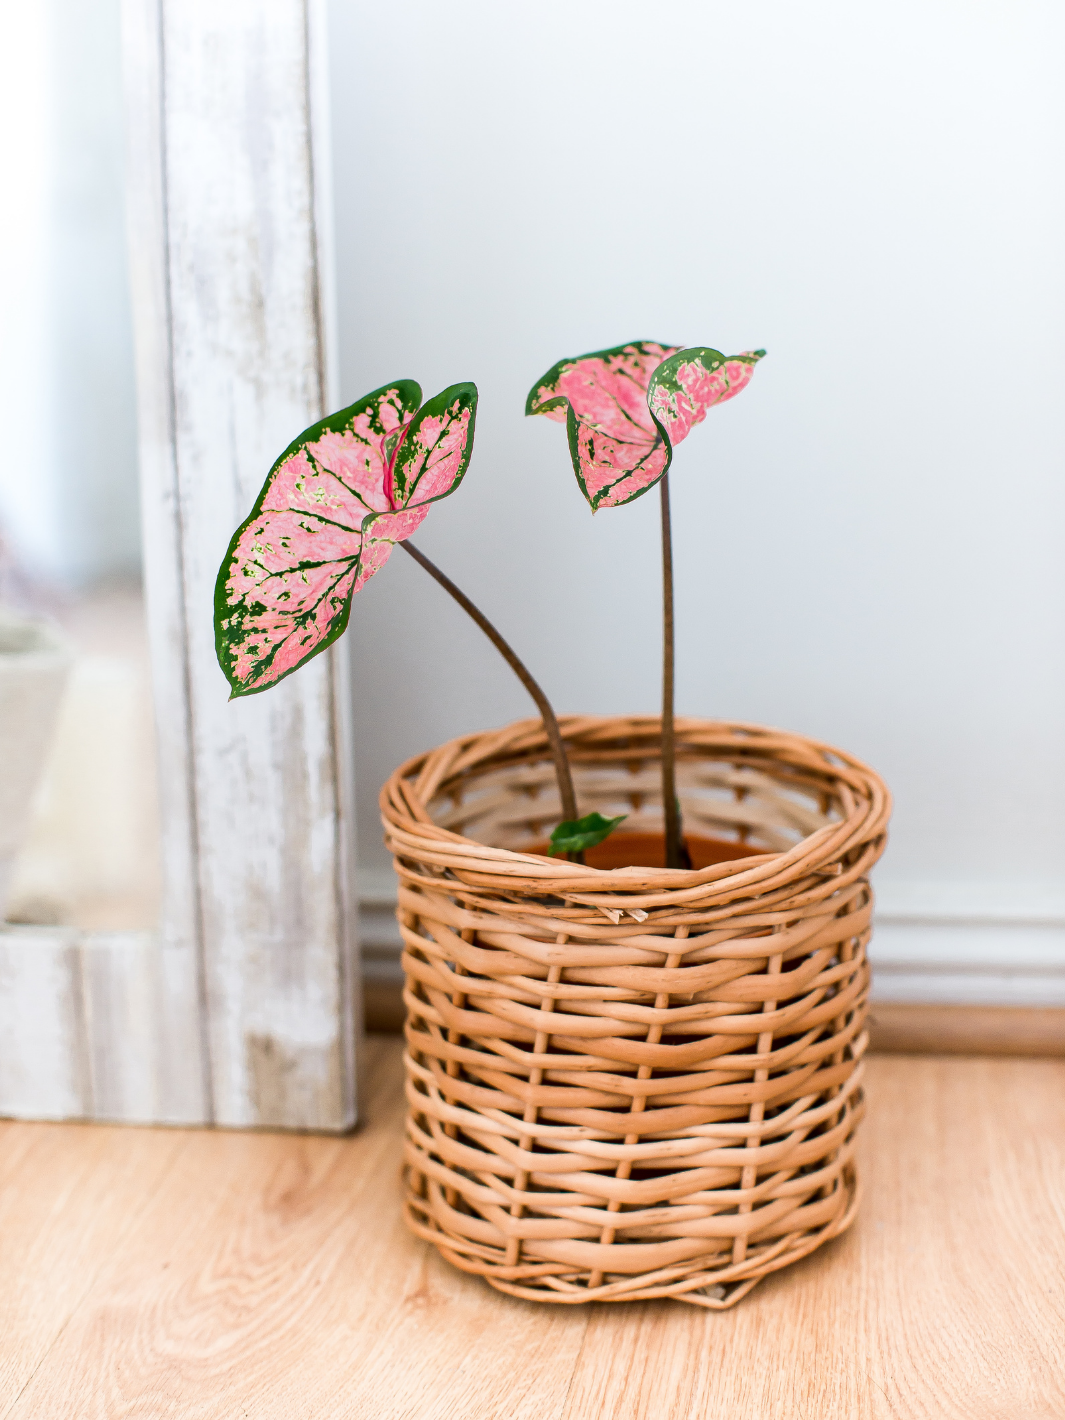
[
  {"x": 554, "y": 734},
  {"x": 676, "y": 849}
]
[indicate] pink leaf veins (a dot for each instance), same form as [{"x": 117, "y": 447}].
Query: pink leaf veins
[
  {"x": 625, "y": 409},
  {"x": 332, "y": 508},
  {"x": 616, "y": 449},
  {"x": 688, "y": 384}
]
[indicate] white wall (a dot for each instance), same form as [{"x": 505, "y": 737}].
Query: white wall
[
  {"x": 869, "y": 541},
  {"x": 68, "y": 478},
  {"x": 26, "y": 507}
]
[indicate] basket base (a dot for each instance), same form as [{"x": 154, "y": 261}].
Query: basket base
[{"x": 716, "y": 1288}]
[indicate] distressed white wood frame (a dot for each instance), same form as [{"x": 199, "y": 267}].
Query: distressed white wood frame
[
  {"x": 231, "y": 252},
  {"x": 244, "y": 1009}
]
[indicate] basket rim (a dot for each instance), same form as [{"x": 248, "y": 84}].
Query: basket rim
[{"x": 858, "y": 835}]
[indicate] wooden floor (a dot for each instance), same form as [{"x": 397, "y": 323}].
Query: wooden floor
[{"x": 188, "y": 1274}]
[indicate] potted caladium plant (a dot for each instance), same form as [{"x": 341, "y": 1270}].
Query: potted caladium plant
[
  {"x": 628, "y": 1078},
  {"x": 625, "y": 410},
  {"x": 336, "y": 502}
]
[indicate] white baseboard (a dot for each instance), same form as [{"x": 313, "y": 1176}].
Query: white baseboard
[
  {"x": 85, "y": 1030},
  {"x": 379, "y": 940},
  {"x": 969, "y": 944},
  {"x": 958, "y": 944}
]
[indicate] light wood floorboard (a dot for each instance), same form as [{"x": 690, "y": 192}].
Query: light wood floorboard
[
  {"x": 69, "y": 1195},
  {"x": 195, "y": 1274}
]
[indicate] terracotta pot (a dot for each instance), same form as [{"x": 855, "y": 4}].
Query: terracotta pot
[{"x": 648, "y": 850}]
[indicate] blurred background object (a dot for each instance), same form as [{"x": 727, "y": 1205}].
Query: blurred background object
[
  {"x": 68, "y": 490},
  {"x": 34, "y": 663},
  {"x": 91, "y": 855},
  {"x": 69, "y": 515}
]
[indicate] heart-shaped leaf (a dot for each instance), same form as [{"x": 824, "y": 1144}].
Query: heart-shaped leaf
[
  {"x": 434, "y": 450},
  {"x": 616, "y": 449},
  {"x": 333, "y": 506},
  {"x": 690, "y": 382},
  {"x": 575, "y": 835}
]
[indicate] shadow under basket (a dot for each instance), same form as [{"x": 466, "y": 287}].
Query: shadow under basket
[{"x": 634, "y": 1082}]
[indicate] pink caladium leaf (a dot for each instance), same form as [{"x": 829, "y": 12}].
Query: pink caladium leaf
[
  {"x": 333, "y": 506},
  {"x": 627, "y": 408},
  {"x": 690, "y": 382},
  {"x": 617, "y": 450}
]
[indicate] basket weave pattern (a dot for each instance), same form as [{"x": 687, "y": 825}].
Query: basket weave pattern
[{"x": 643, "y": 1082}]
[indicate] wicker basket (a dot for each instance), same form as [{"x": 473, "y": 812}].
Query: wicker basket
[{"x": 642, "y": 1082}]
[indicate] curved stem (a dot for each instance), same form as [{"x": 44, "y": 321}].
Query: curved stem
[
  {"x": 554, "y": 734},
  {"x": 676, "y": 849}
]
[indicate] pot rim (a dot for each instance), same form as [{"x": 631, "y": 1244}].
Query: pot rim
[{"x": 827, "y": 859}]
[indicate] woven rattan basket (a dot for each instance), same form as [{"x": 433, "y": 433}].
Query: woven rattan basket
[{"x": 640, "y": 1082}]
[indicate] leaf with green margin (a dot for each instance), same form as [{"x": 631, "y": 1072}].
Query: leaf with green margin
[
  {"x": 690, "y": 382},
  {"x": 325, "y": 522},
  {"x": 575, "y": 835},
  {"x": 616, "y": 449},
  {"x": 433, "y": 452}
]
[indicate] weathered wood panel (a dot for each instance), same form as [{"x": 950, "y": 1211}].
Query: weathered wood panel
[
  {"x": 87, "y": 1028},
  {"x": 185, "y": 1022},
  {"x": 43, "y": 1064},
  {"x": 123, "y": 1003},
  {"x": 232, "y": 281}
]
